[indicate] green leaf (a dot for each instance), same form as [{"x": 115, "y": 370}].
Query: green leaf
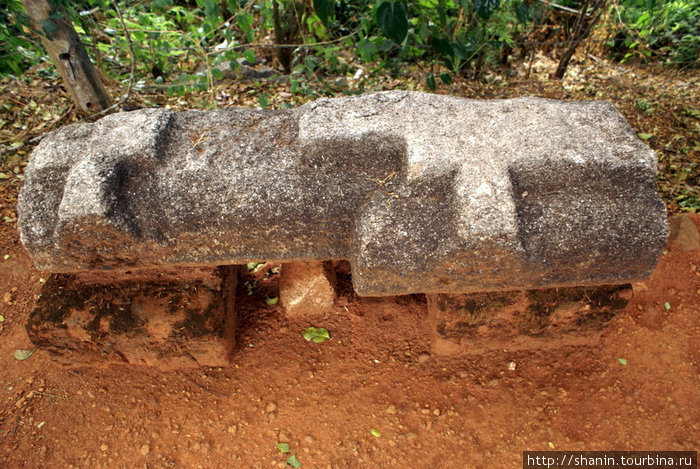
[
  {"x": 375, "y": 432},
  {"x": 316, "y": 334},
  {"x": 272, "y": 301},
  {"x": 249, "y": 55},
  {"x": 446, "y": 78},
  {"x": 484, "y": 8},
  {"x": 644, "y": 136},
  {"x": 23, "y": 354},
  {"x": 463, "y": 51},
  {"x": 293, "y": 461},
  {"x": 217, "y": 74},
  {"x": 2, "y": 318},
  {"x": 283, "y": 447},
  {"x": 211, "y": 9},
  {"x": 430, "y": 81},
  {"x": 262, "y": 100},
  {"x": 324, "y": 9},
  {"x": 366, "y": 50},
  {"x": 244, "y": 21},
  {"x": 667, "y": 305},
  {"x": 393, "y": 20},
  {"x": 140, "y": 36},
  {"x": 623, "y": 361},
  {"x": 443, "y": 46}
]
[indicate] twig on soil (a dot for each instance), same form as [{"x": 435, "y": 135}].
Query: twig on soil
[{"x": 211, "y": 391}]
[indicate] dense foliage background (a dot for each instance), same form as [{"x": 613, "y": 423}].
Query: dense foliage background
[{"x": 180, "y": 44}]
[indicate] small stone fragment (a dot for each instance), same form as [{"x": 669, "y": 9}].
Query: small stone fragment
[
  {"x": 145, "y": 449},
  {"x": 307, "y": 288}
]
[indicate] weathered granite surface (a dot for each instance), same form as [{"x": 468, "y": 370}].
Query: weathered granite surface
[{"x": 420, "y": 192}]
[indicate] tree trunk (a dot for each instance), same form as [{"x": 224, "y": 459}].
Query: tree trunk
[
  {"x": 68, "y": 55},
  {"x": 585, "y": 21}
]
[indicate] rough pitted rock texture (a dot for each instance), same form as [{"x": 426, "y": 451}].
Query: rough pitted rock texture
[{"x": 420, "y": 192}]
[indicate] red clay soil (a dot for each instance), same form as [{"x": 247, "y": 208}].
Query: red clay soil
[{"x": 324, "y": 400}]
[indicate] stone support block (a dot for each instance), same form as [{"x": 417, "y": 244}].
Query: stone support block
[
  {"x": 307, "y": 289},
  {"x": 521, "y": 319},
  {"x": 167, "y": 319}
]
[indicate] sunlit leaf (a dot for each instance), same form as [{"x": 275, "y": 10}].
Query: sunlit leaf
[
  {"x": 293, "y": 461},
  {"x": 23, "y": 354},
  {"x": 316, "y": 334},
  {"x": 283, "y": 447}
]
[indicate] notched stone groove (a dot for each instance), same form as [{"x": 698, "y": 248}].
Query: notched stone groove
[{"x": 420, "y": 193}]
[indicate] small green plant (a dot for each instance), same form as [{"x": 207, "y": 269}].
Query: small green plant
[
  {"x": 643, "y": 105},
  {"x": 669, "y": 31}
]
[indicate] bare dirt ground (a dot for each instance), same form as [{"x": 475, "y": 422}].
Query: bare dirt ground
[{"x": 636, "y": 387}]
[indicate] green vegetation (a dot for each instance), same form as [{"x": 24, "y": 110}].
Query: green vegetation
[
  {"x": 182, "y": 44},
  {"x": 666, "y": 31}
]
